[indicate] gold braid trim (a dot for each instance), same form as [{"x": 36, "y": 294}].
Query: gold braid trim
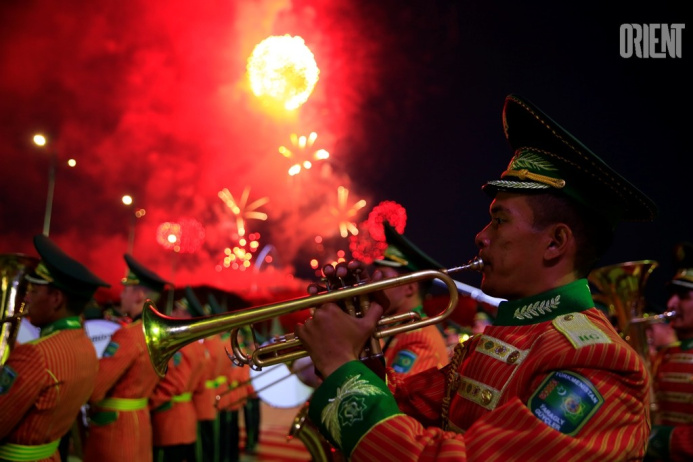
[
  {"x": 525, "y": 174},
  {"x": 453, "y": 380}
]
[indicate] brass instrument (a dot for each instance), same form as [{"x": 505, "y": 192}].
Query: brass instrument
[
  {"x": 13, "y": 268},
  {"x": 621, "y": 287},
  {"x": 165, "y": 335}
]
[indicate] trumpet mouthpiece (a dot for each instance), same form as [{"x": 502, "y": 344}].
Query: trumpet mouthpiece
[{"x": 477, "y": 264}]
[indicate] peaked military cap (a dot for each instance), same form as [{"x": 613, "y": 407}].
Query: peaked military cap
[
  {"x": 683, "y": 259},
  {"x": 402, "y": 253},
  {"x": 547, "y": 157},
  {"x": 140, "y": 275},
  {"x": 62, "y": 271}
]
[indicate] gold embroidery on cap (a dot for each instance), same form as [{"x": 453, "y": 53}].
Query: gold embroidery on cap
[
  {"x": 525, "y": 174},
  {"x": 42, "y": 271}
]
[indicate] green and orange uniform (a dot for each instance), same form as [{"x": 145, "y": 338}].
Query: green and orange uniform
[
  {"x": 43, "y": 385},
  {"x": 174, "y": 420},
  {"x": 119, "y": 424},
  {"x": 672, "y": 437},
  {"x": 550, "y": 380},
  {"x": 415, "y": 351}
]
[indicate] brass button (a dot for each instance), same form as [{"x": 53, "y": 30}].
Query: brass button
[
  {"x": 568, "y": 317},
  {"x": 488, "y": 345},
  {"x": 514, "y": 356},
  {"x": 486, "y": 397}
]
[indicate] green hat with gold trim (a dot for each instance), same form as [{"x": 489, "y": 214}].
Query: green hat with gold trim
[
  {"x": 548, "y": 158},
  {"x": 402, "y": 253},
  {"x": 140, "y": 275},
  {"x": 683, "y": 259},
  {"x": 62, "y": 271}
]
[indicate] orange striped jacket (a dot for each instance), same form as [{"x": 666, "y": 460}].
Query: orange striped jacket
[
  {"x": 44, "y": 383},
  {"x": 174, "y": 420},
  {"x": 672, "y": 438},
  {"x": 125, "y": 372},
  {"x": 551, "y": 380},
  {"x": 415, "y": 351},
  {"x": 204, "y": 398}
]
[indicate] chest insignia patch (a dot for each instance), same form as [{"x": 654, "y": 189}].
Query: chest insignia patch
[
  {"x": 404, "y": 361},
  {"x": 565, "y": 401},
  {"x": 7, "y": 376},
  {"x": 110, "y": 350}
]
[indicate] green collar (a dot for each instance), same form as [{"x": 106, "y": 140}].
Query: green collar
[
  {"x": 687, "y": 343},
  {"x": 546, "y": 306},
  {"x": 72, "y": 322},
  {"x": 419, "y": 309}
]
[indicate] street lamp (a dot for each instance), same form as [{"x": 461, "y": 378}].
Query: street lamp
[
  {"x": 40, "y": 140},
  {"x": 137, "y": 213}
]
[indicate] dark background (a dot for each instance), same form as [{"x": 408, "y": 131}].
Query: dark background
[{"x": 408, "y": 103}]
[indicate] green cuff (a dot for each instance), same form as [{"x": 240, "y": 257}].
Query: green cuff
[
  {"x": 348, "y": 403},
  {"x": 659, "y": 442}
]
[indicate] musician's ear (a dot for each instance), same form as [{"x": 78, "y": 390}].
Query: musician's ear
[{"x": 560, "y": 240}]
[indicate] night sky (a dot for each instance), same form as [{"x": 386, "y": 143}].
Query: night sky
[{"x": 153, "y": 100}]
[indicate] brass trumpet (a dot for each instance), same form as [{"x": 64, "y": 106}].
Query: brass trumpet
[{"x": 165, "y": 335}]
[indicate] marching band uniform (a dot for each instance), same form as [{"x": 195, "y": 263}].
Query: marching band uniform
[
  {"x": 119, "y": 421},
  {"x": 551, "y": 379},
  {"x": 672, "y": 437},
  {"x": 413, "y": 351},
  {"x": 174, "y": 420},
  {"x": 45, "y": 381},
  {"x": 232, "y": 399}
]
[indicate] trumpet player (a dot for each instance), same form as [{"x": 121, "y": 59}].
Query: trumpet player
[
  {"x": 672, "y": 434},
  {"x": 44, "y": 382},
  {"x": 551, "y": 379}
]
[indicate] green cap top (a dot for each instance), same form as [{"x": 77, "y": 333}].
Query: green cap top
[
  {"x": 62, "y": 271},
  {"x": 139, "y": 275},
  {"x": 547, "y": 157},
  {"x": 683, "y": 260},
  {"x": 402, "y": 253}
]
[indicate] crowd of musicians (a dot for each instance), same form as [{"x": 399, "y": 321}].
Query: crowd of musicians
[{"x": 551, "y": 377}]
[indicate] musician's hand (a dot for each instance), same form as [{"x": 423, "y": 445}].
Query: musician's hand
[{"x": 333, "y": 338}]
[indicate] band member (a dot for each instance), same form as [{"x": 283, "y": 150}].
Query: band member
[
  {"x": 672, "y": 436},
  {"x": 174, "y": 418},
  {"x": 44, "y": 382},
  {"x": 412, "y": 351},
  {"x": 119, "y": 423},
  {"x": 551, "y": 379}
]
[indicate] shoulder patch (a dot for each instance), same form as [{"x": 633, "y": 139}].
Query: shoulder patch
[
  {"x": 565, "y": 401},
  {"x": 110, "y": 350},
  {"x": 7, "y": 377},
  {"x": 404, "y": 361},
  {"x": 579, "y": 330}
]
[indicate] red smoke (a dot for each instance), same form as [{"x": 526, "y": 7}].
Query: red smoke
[{"x": 151, "y": 98}]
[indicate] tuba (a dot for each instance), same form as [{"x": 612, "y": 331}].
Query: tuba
[
  {"x": 13, "y": 268},
  {"x": 621, "y": 288}
]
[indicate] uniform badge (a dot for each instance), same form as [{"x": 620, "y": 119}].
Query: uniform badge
[
  {"x": 565, "y": 401},
  {"x": 7, "y": 376},
  {"x": 404, "y": 361},
  {"x": 110, "y": 350}
]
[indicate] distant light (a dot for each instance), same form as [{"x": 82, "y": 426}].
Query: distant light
[
  {"x": 172, "y": 238},
  {"x": 341, "y": 253},
  {"x": 127, "y": 200},
  {"x": 139, "y": 213},
  {"x": 294, "y": 170},
  {"x": 71, "y": 162},
  {"x": 318, "y": 239},
  {"x": 314, "y": 263},
  {"x": 39, "y": 140}
]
